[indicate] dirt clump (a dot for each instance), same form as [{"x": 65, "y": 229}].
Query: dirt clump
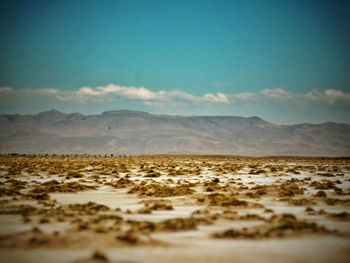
[
  {"x": 155, "y": 205},
  {"x": 54, "y": 186},
  {"x": 158, "y": 190},
  {"x": 225, "y": 200},
  {"x": 278, "y": 226}
]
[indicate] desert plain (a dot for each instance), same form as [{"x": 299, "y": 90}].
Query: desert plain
[{"x": 65, "y": 208}]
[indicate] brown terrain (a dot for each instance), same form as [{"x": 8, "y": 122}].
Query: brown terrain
[{"x": 174, "y": 209}]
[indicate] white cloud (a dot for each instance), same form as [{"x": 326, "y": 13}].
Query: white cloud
[
  {"x": 312, "y": 95},
  {"x": 138, "y": 93},
  {"x": 88, "y": 91},
  {"x": 5, "y": 89},
  {"x": 145, "y": 94},
  {"x": 112, "y": 92},
  {"x": 277, "y": 93},
  {"x": 330, "y": 96},
  {"x": 149, "y": 97},
  {"x": 216, "y": 98},
  {"x": 273, "y": 93},
  {"x": 333, "y": 95},
  {"x": 180, "y": 95}
]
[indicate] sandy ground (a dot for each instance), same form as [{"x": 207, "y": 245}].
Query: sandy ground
[{"x": 174, "y": 209}]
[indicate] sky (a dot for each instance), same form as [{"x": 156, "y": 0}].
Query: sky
[{"x": 284, "y": 61}]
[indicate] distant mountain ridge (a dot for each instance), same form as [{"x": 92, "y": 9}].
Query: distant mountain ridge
[{"x": 135, "y": 132}]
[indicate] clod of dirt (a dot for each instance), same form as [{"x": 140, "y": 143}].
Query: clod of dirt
[
  {"x": 177, "y": 224},
  {"x": 278, "y": 226},
  {"x": 131, "y": 236},
  {"x": 339, "y": 216},
  {"x": 324, "y": 185},
  {"x": 290, "y": 188},
  {"x": 97, "y": 257},
  {"x": 321, "y": 193},
  {"x": 88, "y": 208},
  {"x": 121, "y": 183},
  {"x": 55, "y": 186},
  {"x": 159, "y": 190},
  {"x": 225, "y": 200},
  {"x": 153, "y": 205}
]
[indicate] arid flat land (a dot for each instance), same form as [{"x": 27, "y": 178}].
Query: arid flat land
[{"x": 174, "y": 209}]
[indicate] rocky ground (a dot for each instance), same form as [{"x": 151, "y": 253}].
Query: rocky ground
[{"x": 174, "y": 209}]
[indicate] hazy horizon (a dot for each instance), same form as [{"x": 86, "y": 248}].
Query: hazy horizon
[{"x": 175, "y": 115}]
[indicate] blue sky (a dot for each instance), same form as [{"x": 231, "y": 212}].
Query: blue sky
[{"x": 285, "y": 61}]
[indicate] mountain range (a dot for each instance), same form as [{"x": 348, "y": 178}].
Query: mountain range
[{"x": 135, "y": 132}]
